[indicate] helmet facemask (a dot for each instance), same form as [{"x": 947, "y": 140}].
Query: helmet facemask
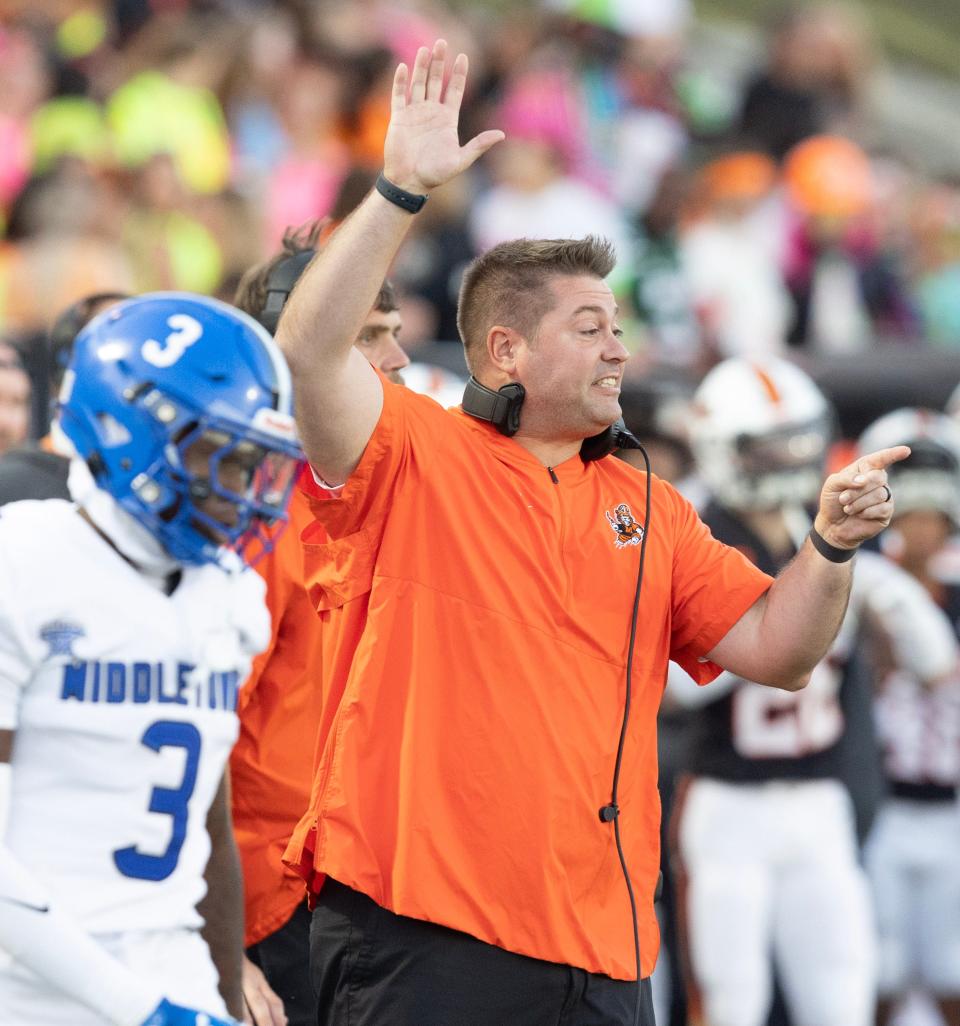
[
  {"x": 782, "y": 467},
  {"x": 214, "y": 486}
]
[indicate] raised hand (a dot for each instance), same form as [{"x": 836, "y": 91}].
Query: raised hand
[
  {"x": 856, "y": 503},
  {"x": 422, "y": 148}
]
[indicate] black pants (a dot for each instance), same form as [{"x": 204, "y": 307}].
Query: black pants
[
  {"x": 371, "y": 967},
  {"x": 284, "y": 958}
]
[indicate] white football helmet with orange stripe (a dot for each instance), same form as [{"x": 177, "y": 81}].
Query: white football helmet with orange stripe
[{"x": 760, "y": 434}]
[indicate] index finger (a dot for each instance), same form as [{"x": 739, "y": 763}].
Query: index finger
[{"x": 882, "y": 458}]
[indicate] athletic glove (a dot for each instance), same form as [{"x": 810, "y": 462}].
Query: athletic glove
[{"x": 169, "y": 1014}]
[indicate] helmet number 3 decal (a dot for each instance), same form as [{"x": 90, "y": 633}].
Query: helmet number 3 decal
[{"x": 186, "y": 331}]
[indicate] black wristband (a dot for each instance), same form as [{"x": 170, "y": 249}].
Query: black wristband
[
  {"x": 408, "y": 201},
  {"x": 829, "y": 551}
]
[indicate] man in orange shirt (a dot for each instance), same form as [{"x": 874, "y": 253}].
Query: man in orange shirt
[
  {"x": 482, "y": 794},
  {"x": 284, "y": 699}
]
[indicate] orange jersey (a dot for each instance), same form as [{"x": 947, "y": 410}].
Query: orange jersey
[
  {"x": 280, "y": 707},
  {"x": 476, "y": 620}
]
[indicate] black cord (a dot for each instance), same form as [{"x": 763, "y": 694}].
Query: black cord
[{"x": 612, "y": 811}]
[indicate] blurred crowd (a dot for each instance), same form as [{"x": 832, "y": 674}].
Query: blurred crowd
[
  {"x": 157, "y": 144},
  {"x": 150, "y": 145}
]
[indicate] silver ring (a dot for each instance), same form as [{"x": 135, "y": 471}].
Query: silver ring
[{"x": 889, "y": 493}]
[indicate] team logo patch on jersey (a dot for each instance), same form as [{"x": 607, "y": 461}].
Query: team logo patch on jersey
[
  {"x": 627, "y": 530},
  {"x": 60, "y": 636}
]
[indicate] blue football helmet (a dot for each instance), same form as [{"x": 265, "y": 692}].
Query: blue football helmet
[{"x": 182, "y": 408}]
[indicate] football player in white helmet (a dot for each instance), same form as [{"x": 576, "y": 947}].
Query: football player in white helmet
[
  {"x": 764, "y": 827},
  {"x": 913, "y": 856},
  {"x": 760, "y": 434}
]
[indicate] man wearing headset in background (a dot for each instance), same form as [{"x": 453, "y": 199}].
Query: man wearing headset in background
[
  {"x": 284, "y": 698},
  {"x": 463, "y": 833}
]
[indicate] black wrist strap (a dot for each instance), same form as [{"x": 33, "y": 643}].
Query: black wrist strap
[
  {"x": 408, "y": 201},
  {"x": 829, "y": 551}
]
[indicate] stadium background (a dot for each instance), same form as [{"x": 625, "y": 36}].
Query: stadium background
[{"x": 168, "y": 144}]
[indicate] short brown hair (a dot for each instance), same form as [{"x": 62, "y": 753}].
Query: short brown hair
[
  {"x": 251, "y": 294},
  {"x": 386, "y": 301},
  {"x": 510, "y": 285}
]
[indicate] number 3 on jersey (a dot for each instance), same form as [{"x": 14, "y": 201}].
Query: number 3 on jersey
[
  {"x": 166, "y": 801},
  {"x": 773, "y": 724}
]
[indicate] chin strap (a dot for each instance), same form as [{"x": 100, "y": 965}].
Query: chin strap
[{"x": 134, "y": 542}]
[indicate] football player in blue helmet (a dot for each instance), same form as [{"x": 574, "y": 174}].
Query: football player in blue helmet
[
  {"x": 181, "y": 408},
  {"x": 127, "y": 623}
]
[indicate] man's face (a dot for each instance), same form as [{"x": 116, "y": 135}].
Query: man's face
[
  {"x": 14, "y": 405},
  {"x": 573, "y": 367},
  {"x": 379, "y": 341}
]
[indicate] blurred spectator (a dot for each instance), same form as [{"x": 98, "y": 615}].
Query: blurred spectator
[
  {"x": 68, "y": 125},
  {"x": 634, "y": 18},
  {"x": 14, "y": 398},
  {"x": 534, "y": 195},
  {"x": 171, "y": 108},
  {"x": 848, "y": 289},
  {"x": 303, "y": 185},
  {"x": 169, "y": 248},
  {"x": 62, "y": 243},
  {"x": 24, "y": 84},
  {"x": 662, "y": 295},
  {"x": 936, "y": 225},
  {"x": 730, "y": 254},
  {"x": 254, "y": 85},
  {"x": 649, "y": 133},
  {"x": 820, "y": 56}
]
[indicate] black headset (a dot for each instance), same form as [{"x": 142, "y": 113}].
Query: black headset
[
  {"x": 280, "y": 284},
  {"x": 502, "y": 410}
]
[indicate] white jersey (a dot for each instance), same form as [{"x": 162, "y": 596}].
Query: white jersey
[{"x": 123, "y": 701}]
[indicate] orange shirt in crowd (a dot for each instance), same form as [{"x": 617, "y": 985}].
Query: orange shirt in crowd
[
  {"x": 476, "y": 619},
  {"x": 280, "y": 707}
]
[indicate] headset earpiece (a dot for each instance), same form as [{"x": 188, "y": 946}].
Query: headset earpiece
[
  {"x": 280, "y": 284},
  {"x": 500, "y": 408}
]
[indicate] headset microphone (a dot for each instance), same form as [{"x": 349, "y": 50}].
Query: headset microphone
[{"x": 610, "y": 813}]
